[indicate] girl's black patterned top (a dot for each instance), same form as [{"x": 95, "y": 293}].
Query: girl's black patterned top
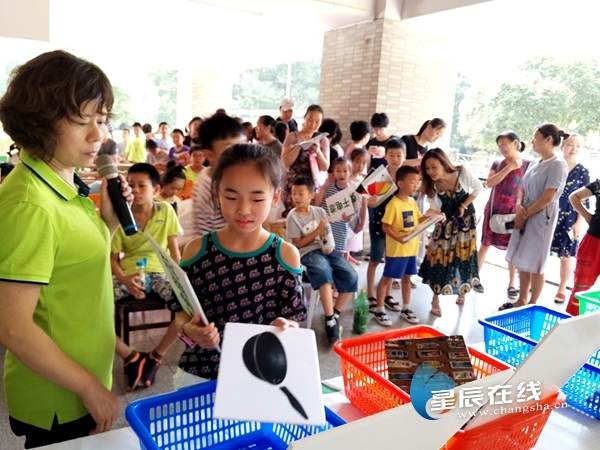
[{"x": 253, "y": 287}]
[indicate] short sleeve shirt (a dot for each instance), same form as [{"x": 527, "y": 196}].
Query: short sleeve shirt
[
  {"x": 594, "y": 228},
  {"x": 136, "y": 150},
  {"x": 375, "y": 217},
  {"x": 296, "y": 226},
  {"x": 339, "y": 228},
  {"x": 52, "y": 236},
  {"x": 163, "y": 157},
  {"x": 174, "y": 154},
  {"x": 108, "y": 148},
  {"x": 413, "y": 149},
  {"x": 403, "y": 217},
  {"x": 207, "y": 215},
  {"x": 252, "y": 287},
  {"x": 374, "y": 142},
  {"x": 161, "y": 226},
  {"x": 275, "y": 146}
]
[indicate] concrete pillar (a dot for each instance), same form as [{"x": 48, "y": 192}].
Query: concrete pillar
[
  {"x": 25, "y": 19},
  {"x": 211, "y": 89},
  {"x": 404, "y": 69}
]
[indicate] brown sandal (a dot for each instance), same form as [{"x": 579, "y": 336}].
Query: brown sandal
[{"x": 559, "y": 298}]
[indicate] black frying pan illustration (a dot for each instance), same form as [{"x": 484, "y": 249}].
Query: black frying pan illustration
[{"x": 264, "y": 357}]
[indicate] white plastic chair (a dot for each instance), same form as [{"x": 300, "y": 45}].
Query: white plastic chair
[{"x": 313, "y": 299}]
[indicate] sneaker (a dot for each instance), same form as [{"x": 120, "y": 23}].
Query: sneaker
[
  {"x": 383, "y": 319},
  {"x": 479, "y": 288},
  {"x": 150, "y": 369},
  {"x": 332, "y": 328},
  {"x": 409, "y": 316},
  {"x": 134, "y": 370},
  {"x": 336, "y": 315},
  {"x": 512, "y": 293}
]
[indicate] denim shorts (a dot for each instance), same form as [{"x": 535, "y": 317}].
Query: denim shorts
[
  {"x": 377, "y": 248},
  {"x": 398, "y": 267},
  {"x": 327, "y": 269}
]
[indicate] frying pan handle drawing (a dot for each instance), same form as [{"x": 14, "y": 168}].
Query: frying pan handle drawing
[{"x": 295, "y": 403}]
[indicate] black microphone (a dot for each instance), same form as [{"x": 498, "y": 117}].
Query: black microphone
[{"x": 107, "y": 168}]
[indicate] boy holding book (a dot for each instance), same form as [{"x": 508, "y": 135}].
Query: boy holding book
[{"x": 401, "y": 216}]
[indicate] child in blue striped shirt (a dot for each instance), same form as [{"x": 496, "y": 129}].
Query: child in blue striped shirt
[{"x": 341, "y": 169}]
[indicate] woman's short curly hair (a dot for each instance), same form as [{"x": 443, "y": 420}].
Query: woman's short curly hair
[{"x": 52, "y": 86}]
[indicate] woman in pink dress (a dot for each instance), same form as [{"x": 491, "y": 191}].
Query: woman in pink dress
[{"x": 506, "y": 177}]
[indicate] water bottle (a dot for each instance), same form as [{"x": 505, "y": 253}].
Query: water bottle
[
  {"x": 361, "y": 313},
  {"x": 143, "y": 279}
]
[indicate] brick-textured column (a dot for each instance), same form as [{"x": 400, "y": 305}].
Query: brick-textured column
[{"x": 401, "y": 68}]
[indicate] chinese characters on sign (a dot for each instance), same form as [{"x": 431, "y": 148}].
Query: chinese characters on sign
[
  {"x": 474, "y": 396},
  {"x": 341, "y": 203}
]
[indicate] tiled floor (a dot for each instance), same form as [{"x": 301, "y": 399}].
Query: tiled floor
[{"x": 566, "y": 430}]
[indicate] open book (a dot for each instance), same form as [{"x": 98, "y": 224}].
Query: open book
[
  {"x": 312, "y": 141},
  {"x": 378, "y": 183},
  {"x": 431, "y": 220}
]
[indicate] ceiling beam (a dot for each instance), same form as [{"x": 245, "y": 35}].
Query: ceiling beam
[{"x": 417, "y": 8}]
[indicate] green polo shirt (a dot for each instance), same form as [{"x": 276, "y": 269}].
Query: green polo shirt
[
  {"x": 161, "y": 226},
  {"x": 52, "y": 236}
]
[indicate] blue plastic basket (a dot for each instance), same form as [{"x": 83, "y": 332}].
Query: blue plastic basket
[
  {"x": 510, "y": 336},
  {"x": 182, "y": 420}
]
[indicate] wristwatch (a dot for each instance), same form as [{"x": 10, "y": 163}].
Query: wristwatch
[{"x": 181, "y": 335}]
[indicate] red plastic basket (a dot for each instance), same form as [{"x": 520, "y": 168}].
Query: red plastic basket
[
  {"x": 364, "y": 369},
  {"x": 517, "y": 431},
  {"x": 365, "y": 372}
]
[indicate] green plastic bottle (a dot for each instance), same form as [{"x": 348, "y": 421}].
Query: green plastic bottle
[{"x": 361, "y": 313}]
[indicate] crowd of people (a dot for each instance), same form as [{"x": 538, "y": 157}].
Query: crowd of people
[{"x": 62, "y": 265}]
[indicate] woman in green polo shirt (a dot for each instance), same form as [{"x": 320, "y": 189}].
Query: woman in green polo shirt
[{"x": 56, "y": 301}]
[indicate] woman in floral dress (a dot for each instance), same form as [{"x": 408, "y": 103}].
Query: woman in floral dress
[
  {"x": 450, "y": 264},
  {"x": 298, "y": 161},
  {"x": 568, "y": 225}
]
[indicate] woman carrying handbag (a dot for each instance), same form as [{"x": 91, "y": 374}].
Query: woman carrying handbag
[{"x": 505, "y": 179}]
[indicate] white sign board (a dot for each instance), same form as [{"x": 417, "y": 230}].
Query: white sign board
[
  {"x": 339, "y": 204},
  {"x": 267, "y": 374}
]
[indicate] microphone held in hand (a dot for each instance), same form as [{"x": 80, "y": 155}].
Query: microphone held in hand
[{"x": 107, "y": 168}]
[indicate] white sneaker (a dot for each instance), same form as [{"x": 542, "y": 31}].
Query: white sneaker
[
  {"x": 383, "y": 319},
  {"x": 409, "y": 316}
]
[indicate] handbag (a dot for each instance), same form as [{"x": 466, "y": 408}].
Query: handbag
[{"x": 500, "y": 223}]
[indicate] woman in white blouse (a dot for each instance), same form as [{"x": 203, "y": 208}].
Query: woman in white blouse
[{"x": 450, "y": 264}]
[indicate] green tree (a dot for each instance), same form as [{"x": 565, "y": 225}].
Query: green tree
[
  {"x": 5, "y": 77},
  {"x": 264, "y": 87},
  {"x": 564, "y": 93},
  {"x": 165, "y": 82},
  {"x": 121, "y": 110},
  {"x": 457, "y": 140},
  {"x": 306, "y": 80}
]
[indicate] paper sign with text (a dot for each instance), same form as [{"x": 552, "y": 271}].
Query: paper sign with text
[{"x": 340, "y": 203}]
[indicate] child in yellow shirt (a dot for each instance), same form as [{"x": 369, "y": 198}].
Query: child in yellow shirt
[{"x": 401, "y": 216}]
